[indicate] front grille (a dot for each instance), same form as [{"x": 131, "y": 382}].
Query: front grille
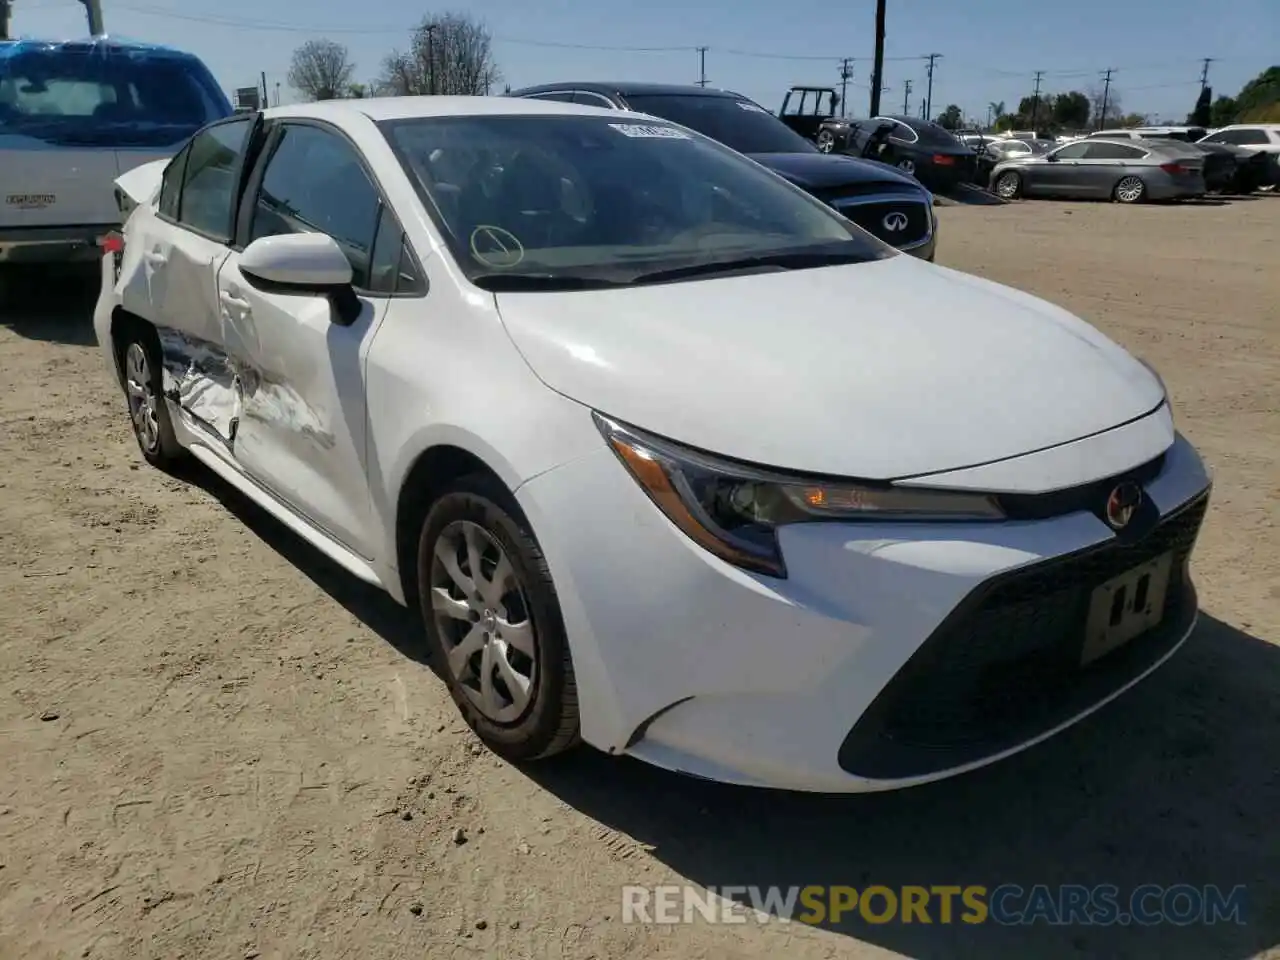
[
  {"x": 1005, "y": 666},
  {"x": 871, "y": 216}
]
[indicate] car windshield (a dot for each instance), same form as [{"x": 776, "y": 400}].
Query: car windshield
[
  {"x": 545, "y": 202},
  {"x": 737, "y": 123},
  {"x": 95, "y": 94}
]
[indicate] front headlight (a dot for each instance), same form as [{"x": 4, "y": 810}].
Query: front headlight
[{"x": 734, "y": 510}]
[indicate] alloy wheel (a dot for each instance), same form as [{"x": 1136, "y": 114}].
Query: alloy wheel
[
  {"x": 143, "y": 402},
  {"x": 907, "y": 165},
  {"x": 483, "y": 621},
  {"x": 1130, "y": 190},
  {"x": 826, "y": 142},
  {"x": 1007, "y": 186}
]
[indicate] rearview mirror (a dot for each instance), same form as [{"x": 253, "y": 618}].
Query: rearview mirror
[{"x": 303, "y": 263}]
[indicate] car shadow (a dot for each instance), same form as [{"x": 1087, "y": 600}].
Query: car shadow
[
  {"x": 970, "y": 195},
  {"x": 397, "y": 625},
  {"x": 52, "y": 304},
  {"x": 1176, "y": 782}
]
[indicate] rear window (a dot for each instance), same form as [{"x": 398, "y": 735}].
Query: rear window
[
  {"x": 95, "y": 94},
  {"x": 737, "y": 123},
  {"x": 932, "y": 135}
]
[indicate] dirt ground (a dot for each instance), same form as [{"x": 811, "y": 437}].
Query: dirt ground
[{"x": 213, "y": 744}]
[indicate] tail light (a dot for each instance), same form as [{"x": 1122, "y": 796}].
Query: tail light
[
  {"x": 1174, "y": 168},
  {"x": 113, "y": 244},
  {"x": 943, "y": 160}
]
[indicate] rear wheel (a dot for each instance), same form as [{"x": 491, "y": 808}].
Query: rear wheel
[
  {"x": 826, "y": 141},
  {"x": 144, "y": 392},
  {"x": 1130, "y": 189},
  {"x": 493, "y": 622},
  {"x": 1009, "y": 185},
  {"x": 907, "y": 166}
]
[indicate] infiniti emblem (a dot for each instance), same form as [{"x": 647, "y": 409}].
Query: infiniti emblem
[
  {"x": 1122, "y": 504},
  {"x": 895, "y": 222}
]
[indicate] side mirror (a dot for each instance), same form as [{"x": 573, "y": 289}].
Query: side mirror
[
  {"x": 1051, "y": 157},
  {"x": 303, "y": 263}
]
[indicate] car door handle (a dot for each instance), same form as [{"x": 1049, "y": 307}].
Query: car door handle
[
  {"x": 233, "y": 302},
  {"x": 157, "y": 259}
]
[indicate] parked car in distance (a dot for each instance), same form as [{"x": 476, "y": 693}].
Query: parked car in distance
[
  {"x": 891, "y": 205},
  {"x": 1261, "y": 138},
  {"x": 73, "y": 117},
  {"x": 996, "y": 151},
  {"x": 1127, "y": 171},
  {"x": 925, "y": 150},
  {"x": 1227, "y": 168},
  {"x": 670, "y": 458}
]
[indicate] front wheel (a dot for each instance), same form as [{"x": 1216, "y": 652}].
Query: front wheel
[
  {"x": 826, "y": 141},
  {"x": 907, "y": 166},
  {"x": 1009, "y": 186},
  {"x": 1130, "y": 189},
  {"x": 493, "y": 622}
]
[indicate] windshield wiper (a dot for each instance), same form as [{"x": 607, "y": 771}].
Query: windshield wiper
[
  {"x": 768, "y": 261},
  {"x": 505, "y": 282}
]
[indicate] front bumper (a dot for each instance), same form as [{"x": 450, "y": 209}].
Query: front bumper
[
  {"x": 49, "y": 245},
  {"x": 894, "y": 654}
]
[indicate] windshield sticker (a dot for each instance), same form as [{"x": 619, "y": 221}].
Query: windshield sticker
[
  {"x": 647, "y": 132},
  {"x": 753, "y": 107},
  {"x": 495, "y": 247}
]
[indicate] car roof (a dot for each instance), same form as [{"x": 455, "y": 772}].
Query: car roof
[
  {"x": 405, "y": 108},
  {"x": 628, "y": 89},
  {"x": 106, "y": 44}
]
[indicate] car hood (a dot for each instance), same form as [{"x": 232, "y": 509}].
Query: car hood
[
  {"x": 824, "y": 171},
  {"x": 879, "y": 370}
]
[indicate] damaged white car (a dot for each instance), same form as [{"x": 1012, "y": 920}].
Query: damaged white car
[{"x": 673, "y": 458}]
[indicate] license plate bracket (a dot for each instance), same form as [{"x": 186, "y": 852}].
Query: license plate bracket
[{"x": 1125, "y": 606}]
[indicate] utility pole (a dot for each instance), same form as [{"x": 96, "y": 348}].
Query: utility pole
[
  {"x": 1204, "y": 73},
  {"x": 1106, "y": 94},
  {"x": 94, "y": 9},
  {"x": 846, "y": 74},
  {"x": 877, "y": 73},
  {"x": 702, "y": 66},
  {"x": 906, "y": 98},
  {"x": 431, "y": 56},
  {"x": 1035, "y": 103},
  {"x": 4, "y": 19},
  {"x": 928, "y": 96},
  {"x": 266, "y": 101}
]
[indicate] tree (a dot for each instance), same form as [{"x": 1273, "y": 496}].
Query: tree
[
  {"x": 1259, "y": 100},
  {"x": 1071, "y": 110},
  {"x": 321, "y": 70},
  {"x": 1200, "y": 114},
  {"x": 448, "y": 54},
  {"x": 357, "y": 91},
  {"x": 1095, "y": 105},
  {"x": 995, "y": 110},
  {"x": 951, "y": 118},
  {"x": 1223, "y": 112}
]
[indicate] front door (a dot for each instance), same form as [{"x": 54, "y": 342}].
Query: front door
[
  {"x": 1059, "y": 176},
  {"x": 300, "y": 427}
]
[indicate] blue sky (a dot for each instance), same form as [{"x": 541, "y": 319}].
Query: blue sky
[{"x": 990, "y": 48}]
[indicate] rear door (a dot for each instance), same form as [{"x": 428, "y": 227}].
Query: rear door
[
  {"x": 179, "y": 250},
  {"x": 301, "y": 419}
]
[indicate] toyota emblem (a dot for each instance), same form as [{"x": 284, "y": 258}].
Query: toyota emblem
[
  {"x": 1122, "y": 504},
  {"x": 895, "y": 222}
]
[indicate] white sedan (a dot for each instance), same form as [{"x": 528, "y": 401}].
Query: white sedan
[{"x": 673, "y": 459}]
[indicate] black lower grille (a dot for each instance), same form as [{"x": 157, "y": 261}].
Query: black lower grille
[
  {"x": 899, "y": 222},
  {"x": 1006, "y": 665}
]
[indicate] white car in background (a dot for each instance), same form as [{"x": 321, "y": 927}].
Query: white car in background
[
  {"x": 671, "y": 457},
  {"x": 76, "y": 115}
]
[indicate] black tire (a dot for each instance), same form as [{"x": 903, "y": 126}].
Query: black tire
[
  {"x": 163, "y": 450},
  {"x": 1013, "y": 185},
  {"x": 549, "y": 723},
  {"x": 826, "y": 141}
]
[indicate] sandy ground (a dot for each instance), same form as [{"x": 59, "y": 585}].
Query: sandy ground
[{"x": 212, "y": 744}]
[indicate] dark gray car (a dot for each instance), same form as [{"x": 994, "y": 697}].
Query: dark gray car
[{"x": 1128, "y": 171}]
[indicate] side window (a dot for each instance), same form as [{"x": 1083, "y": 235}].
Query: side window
[
  {"x": 315, "y": 183},
  {"x": 1102, "y": 150},
  {"x": 1074, "y": 151},
  {"x": 209, "y": 178},
  {"x": 561, "y": 97},
  {"x": 1247, "y": 137},
  {"x": 171, "y": 184}
]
